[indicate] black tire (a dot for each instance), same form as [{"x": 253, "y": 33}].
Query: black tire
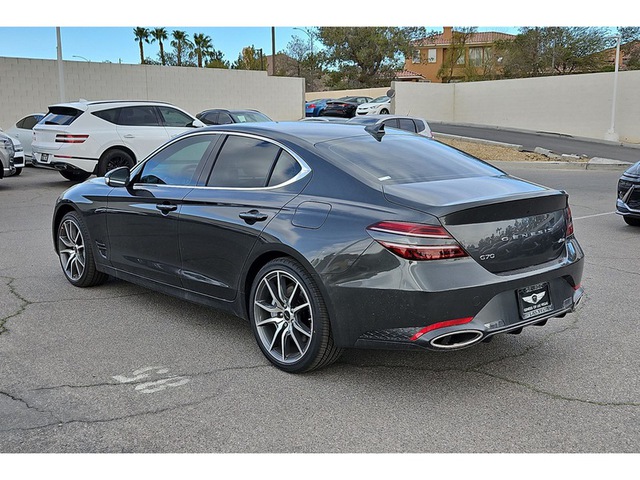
[
  {"x": 384, "y": 111},
  {"x": 75, "y": 175},
  {"x": 114, "y": 159},
  {"x": 75, "y": 254},
  {"x": 18, "y": 171},
  {"x": 634, "y": 222},
  {"x": 293, "y": 331}
]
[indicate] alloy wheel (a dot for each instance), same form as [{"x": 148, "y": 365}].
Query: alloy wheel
[{"x": 71, "y": 248}]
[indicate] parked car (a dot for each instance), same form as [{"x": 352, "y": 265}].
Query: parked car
[
  {"x": 378, "y": 106},
  {"x": 411, "y": 124},
  {"x": 325, "y": 236},
  {"x": 344, "y": 107},
  {"x": 86, "y": 137},
  {"x": 314, "y": 108},
  {"x": 18, "y": 155},
  {"x": 628, "y": 202},
  {"x": 23, "y": 131},
  {"x": 222, "y": 116},
  {"x": 7, "y": 167},
  {"x": 324, "y": 119}
]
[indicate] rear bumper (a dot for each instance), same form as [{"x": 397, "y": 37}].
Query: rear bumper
[
  {"x": 58, "y": 162},
  {"x": 453, "y": 296}
]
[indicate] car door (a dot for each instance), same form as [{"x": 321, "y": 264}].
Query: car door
[
  {"x": 142, "y": 219},
  {"x": 23, "y": 131},
  {"x": 139, "y": 128},
  {"x": 251, "y": 180}
]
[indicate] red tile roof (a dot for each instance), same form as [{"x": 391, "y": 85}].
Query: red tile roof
[
  {"x": 409, "y": 74},
  {"x": 478, "y": 37}
]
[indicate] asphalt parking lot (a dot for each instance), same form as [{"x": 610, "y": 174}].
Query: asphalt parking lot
[{"x": 118, "y": 368}]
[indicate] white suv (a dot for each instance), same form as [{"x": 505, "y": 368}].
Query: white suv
[{"x": 82, "y": 138}]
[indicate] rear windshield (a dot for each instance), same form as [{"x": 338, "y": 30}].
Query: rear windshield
[
  {"x": 61, "y": 116},
  {"x": 403, "y": 158},
  {"x": 245, "y": 117}
]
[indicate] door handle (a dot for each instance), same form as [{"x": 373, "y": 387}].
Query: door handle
[
  {"x": 253, "y": 216},
  {"x": 129, "y": 135},
  {"x": 165, "y": 208}
]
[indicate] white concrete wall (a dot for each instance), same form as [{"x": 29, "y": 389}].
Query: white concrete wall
[
  {"x": 28, "y": 86},
  {"x": 578, "y": 105}
]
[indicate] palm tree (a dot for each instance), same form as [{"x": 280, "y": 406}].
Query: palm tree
[
  {"x": 160, "y": 34},
  {"x": 141, "y": 34},
  {"x": 203, "y": 46},
  {"x": 180, "y": 42}
]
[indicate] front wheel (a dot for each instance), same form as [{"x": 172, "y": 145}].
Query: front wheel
[
  {"x": 74, "y": 251},
  {"x": 289, "y": 318},
  {"x": 384, "y": 111},
  {"x": 18, "y": 171},
  {"x": 75, "y": 175}
]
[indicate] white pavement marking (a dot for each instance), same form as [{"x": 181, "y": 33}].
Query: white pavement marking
[{"x": 594, "y": 215}]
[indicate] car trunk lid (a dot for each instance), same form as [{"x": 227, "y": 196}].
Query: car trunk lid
[{"x": 514, "y": 225}]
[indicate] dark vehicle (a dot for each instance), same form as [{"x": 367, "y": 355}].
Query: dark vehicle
[
  {"x": 314, "y": 108},
  {"x": 221, "y": 116},
  {"x": 344, "y": 107},
  {"x": 628, "y": 202},
  {"x": 311, "y": 233}
]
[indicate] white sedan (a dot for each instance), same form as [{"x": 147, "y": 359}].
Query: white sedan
[{"x": 378, "y": 106}]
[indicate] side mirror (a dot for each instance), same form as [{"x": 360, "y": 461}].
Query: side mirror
[
  {"x": 198, "y": 123},
  {"x": 391, "y": 93},
  {"x": 118, "y": 177}
]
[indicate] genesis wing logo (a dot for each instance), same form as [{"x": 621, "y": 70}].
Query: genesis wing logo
[{"x": 535, "y": 298}]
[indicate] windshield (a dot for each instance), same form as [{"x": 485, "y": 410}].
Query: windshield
[
  {"x": 246, "y": 117},
  {"x": 383, "y": 99}
]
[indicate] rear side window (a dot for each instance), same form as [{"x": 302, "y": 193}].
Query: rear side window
[
  {"x": 407, "y": 124},
  {"x": 141, "y": 116},
  {"x": 285, "y": 169},
  {"x": 243, "y": 163},
  {"x": 110, "y": 115},
  {"x": 61, "y": 115}
]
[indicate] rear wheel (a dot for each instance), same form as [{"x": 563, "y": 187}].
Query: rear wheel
[
  {"x": 289, "y": 318},
  {"x": 74, "y": 251},
  {"x": 634, "y": 222},
  {"x": 114, "y": 159},
  {"x": 75, "y": 175},
  {"x": 384, "y": 111}
]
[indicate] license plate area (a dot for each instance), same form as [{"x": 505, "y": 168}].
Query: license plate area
[
  {"x": 534, "y": 300},
  {"x": 44, "y": 158}
]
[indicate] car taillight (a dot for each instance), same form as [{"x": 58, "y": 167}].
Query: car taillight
[
  {"x": 67, "y": 138},
  {"x": 313, "y": 105},
  {"x": 416, "y": 241},
  {"x": 569, "y": 220},
  {"x": 435, "y": 326}
]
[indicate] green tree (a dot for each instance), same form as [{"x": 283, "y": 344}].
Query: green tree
[
  {"x": 454, "y": 56},
  {"x": 181, "y": 45},
  {"x": 365, "y": 56},
  {"x": 250, "y": 59},
  {"x": 216, "y": 60},
  {"x": 630, "y": 46},
  {"x": 141, "y": 35},
  {"x": 159, "y": 34},
  {"x": 202, "y": 47}
]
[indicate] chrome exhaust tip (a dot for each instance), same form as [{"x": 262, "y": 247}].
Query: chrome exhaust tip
[{"x": 454, "y": 340}]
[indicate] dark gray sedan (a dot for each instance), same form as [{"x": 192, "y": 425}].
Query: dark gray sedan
[{"x": 329, "y": 236}]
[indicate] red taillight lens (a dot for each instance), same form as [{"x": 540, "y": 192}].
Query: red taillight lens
[
  {"x": 416, "y": 241},
  {"x": 569, "y": 220},
  {"x": 435, "y": 326},
  {"x": 67, "y": 138},
  {"x": 313, "y": 105}
]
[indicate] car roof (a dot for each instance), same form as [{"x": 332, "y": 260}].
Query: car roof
[
  {"x": 86, "y": 104},
  {"x": 383, "y": 117}
]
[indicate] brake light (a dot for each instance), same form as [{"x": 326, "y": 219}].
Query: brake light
[
  {"x": 569, "y": 220},
  {"x": 416, "y": 241},
  {"x": 67, "y": 138},
  {"x": 435, "y": 326},
  {"x": 313, "y": 105}
]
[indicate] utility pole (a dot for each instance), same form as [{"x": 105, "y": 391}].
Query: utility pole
[
  {"x": 60, "y": 66},
  {"x": 611, "y": 133},
  {"x": 273, "y": 51}
]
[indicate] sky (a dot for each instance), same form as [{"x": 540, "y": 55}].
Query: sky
[{"x": 99, "y": 32}]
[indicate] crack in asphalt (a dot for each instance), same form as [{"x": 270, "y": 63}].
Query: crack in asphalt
[
  {"x": 21, "y": 308},
  {"x": 613, "y": 268},
  {"x": 24, "y": 402}
]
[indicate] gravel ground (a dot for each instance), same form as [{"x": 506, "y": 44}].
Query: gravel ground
[{"x": 491, "y": 152}]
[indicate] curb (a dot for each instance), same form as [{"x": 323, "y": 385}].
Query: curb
[{"x": 557, "y": 161}]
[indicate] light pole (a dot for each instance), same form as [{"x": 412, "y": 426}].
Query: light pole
[
  {"x": 60, "y": 65},
  {"x": 611, "y": 133},
  {"x": 310, "y": 37},
  {"x": 78, "y": 56}
]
